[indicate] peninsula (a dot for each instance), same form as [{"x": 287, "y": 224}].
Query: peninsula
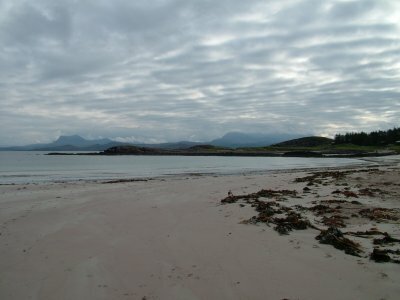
[{"x": 302, "y": 147}]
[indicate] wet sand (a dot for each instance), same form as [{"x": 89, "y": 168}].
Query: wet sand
[{"x": 171, "y": 238}]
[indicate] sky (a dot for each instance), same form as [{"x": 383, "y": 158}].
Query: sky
[{"x": 169, "y": 70}]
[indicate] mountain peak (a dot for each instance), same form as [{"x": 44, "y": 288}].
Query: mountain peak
[{"x": 77, "y": 140}]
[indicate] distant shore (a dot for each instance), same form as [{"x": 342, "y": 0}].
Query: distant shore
[
  {"x": 173, "y": 238},
  {"x": 207, "y": 150}
]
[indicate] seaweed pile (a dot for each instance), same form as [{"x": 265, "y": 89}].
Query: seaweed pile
[
  {"x": 335, "y": 237},
  {"x": 380, "y": 214},
  {"x": 283, "y": 217},
  {"x": 251, "y": 198},
  {"x": 329, "y": 216}
]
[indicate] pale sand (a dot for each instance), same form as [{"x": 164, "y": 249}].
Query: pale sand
[{"x": 171, "y": 239}]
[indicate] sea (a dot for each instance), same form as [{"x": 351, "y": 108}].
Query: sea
[{"x": 22, "y": 167}]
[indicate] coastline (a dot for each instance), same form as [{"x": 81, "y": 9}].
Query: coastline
[
  {"x": 170, "y": 238},
  {"x": 31, "y": 167},
  {"x": 141, "y": 151}
]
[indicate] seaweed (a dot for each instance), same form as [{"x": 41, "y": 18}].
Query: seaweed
[
  {"x": 334, "y": 221},
  {"x": 348, "y": 194},
  {"x": 370, "y": 192},
  {"x": 320, "y": 209},
  {"x": 387, "y": 239},
  {"x": 250, "y": 198},
  {"x": 317, "y": 177},
  {"x": 331, "y": 212},
  {"x": 333, "y": 236},
  {"x": 292, "y": 221},
  {"x": 380, "y": 213}
]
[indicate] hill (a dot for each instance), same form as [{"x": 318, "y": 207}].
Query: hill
[
  {"x": 310, "y": 141},
  {"x": 240, "y": 139}
]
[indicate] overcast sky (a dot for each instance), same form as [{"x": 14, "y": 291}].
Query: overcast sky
[{"x": 167, "y": 70}]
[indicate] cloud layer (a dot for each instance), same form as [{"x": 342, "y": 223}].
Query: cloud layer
[{"x": 167, "y": 70}]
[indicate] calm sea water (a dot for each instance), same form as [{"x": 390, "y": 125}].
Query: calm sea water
[{"x": 33, "y": 167}]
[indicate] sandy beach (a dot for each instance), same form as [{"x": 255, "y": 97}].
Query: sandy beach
[{"x": 171, "y": 238}]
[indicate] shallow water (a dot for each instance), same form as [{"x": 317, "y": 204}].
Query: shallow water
[{"x": 33, "y": 167}]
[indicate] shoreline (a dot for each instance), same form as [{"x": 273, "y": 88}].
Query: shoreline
[
  {"x": 362, "y": 163},
  {"x": 190, "y": 174},
  {"x": 170, "y": 238},
  {"x": 234, "y": 153}
]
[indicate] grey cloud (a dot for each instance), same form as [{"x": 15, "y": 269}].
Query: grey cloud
[
  {"x": 348, "y": 10},
  {"x": 299, "y": 14},
  {"x": 27, "y": 24},
  {"x": 170, "y": 70}
]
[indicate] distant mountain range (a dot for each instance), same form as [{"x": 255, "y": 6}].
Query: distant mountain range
[
  {"x": 231, "y": 140},
  {"x": 68, "y": 143}
]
